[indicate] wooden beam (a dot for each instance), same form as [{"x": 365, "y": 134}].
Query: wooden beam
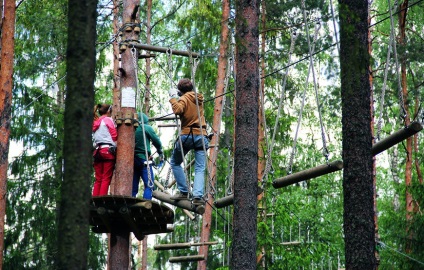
[
  {"x": 163, "y": 50},
  {"x": 125, "y": 213},
  {"x": 163, "y": 118},
  {"x": 145, "y": 205},
  {"x": 159, "y": 185},
  {"x": 192, "y": 258},
  {"x": 172, "y": 246},
  {"x": 167, "y": 125},
  {"x": 182, "y": 245},
  {"x": 308, "y": 174},
  {"x": 376, "y": 149},
  {"x": 185, "y": 204},
  {"x": 396, "y": 137},
  {"x": 229, "y": 200},
  {"x": 104, "y": 216}
]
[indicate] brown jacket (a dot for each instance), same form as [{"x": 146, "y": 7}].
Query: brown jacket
[{"x": 186, "y": 108}]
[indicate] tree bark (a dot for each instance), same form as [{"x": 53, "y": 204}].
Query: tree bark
[
  {"x": 261, "y": 131},
  {"x": 246, "y": 129},
  {"x": 357, "y": 136},
  {"x": 216, "y": 127},
  {"x": 119, "y": 255},
  {"x": 410, "y": 204},
  {"x": 75, "y": 190},
  {"x": 6, "y": 83}
]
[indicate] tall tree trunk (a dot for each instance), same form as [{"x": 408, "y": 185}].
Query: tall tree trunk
[
  {"x": 246, "y": 129},
  {"x": 216, "y": 126},
  {"x": 116, "y": 87},
  {"x": 75, "y": 190},
  {"x": 358, "y": 190},
  {"x": 261, "y": 130},
  {"x": 119, "y": 256},
  {"x": 6, "y": 83},
  {"x": 146, "y": 106},
  {"x": 403, "y": 8},
  {"x": 374, "y": 169}
]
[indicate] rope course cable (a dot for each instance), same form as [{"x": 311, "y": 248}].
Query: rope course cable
[
  {"x": 299, "y": 119},
  {"x": 150, "y": 181},
  {"x": 311, "y": 65},
  {"x": 400, "y": 253},
  {"x": 400, "y": 94},
  {"x": 194, "y": 63},
  {"x": 383, "y": 90},
  {"x": 293, "y": 37}
]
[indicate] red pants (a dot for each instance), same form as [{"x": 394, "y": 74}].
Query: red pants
[{"x": 104, "y": 164}]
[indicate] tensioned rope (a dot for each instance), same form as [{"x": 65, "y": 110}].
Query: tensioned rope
[
  {"x": 400, "y": 253},
  {"x": 401, "y": 101},
  {"x": 194, "y": 63},
  {"x": 383, "y": 90},
  {"x": 293, "y": 37},
  {"x": 311, "y": 62},
  {"x": 299, "y": 119},
  {"x": 215, "y": 132},
  {"x": 150, "y": 181},
  {"x": 273, "y": 72}
]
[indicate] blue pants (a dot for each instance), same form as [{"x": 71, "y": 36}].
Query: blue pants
[
  {"x": 190, "y": 142},
  {"x": 140, "y": 170}
]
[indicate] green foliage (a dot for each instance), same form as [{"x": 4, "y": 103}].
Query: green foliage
[
  {"x": 307, "y": 217},
  {"x": 38, "y": 106}
]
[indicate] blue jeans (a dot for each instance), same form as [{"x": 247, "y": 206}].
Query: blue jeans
[
  {"x": 190, "y": 142},
  {"x": 140, "y": 170}
]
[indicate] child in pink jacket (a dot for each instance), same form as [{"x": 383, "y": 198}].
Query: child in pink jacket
[{"x": 105, "y": 137}]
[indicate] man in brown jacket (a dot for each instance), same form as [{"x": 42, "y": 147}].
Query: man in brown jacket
[{"x": 189, "y": 107}]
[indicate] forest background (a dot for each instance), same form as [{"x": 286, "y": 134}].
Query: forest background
[{"x": 303, "y": 227}]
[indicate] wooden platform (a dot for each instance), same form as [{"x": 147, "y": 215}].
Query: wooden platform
[{"x": 110, "y": 214}]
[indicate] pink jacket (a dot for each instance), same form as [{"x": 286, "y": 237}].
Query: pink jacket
[{"x": 104, "y": 130}]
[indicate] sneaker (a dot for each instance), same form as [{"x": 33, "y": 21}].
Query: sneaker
[
  {"x": 198, "y": 201},
  {"x": 179, "y": 196}
]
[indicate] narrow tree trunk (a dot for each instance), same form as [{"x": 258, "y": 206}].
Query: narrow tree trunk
[
  {"x": 358, "y": 190},
  {"x": 374, "y": 169},
  {"x": 408, "y": 147},
  {"x": 261, "y": 131},
  {"x": 146, "y": 105},
  {"x": 144, "y": 253},
  {"x": 6, "y": 84},
  {"x": 216, "y": 126},
  {"x": 246, "y": 141},
  {"x": 75, "y": 190}
]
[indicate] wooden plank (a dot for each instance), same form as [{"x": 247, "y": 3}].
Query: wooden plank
[
  {"x": 182, "y": 245},
  {"x": 396, "y": 137},
  {"x": 376, "y": 149},
  {"x": 192, "y": 258},
  {"x": 185, "y": 204},
  {"x": 308, "y": 174},
  {"x": 229, "y": 200}
]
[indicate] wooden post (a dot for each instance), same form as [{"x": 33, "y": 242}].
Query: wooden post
[
  {"x": 185, "y": 204},
  {"x": 120, "y": 240}
]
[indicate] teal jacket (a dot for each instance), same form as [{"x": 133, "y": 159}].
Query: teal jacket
[{"x": 150, "y": 136}]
